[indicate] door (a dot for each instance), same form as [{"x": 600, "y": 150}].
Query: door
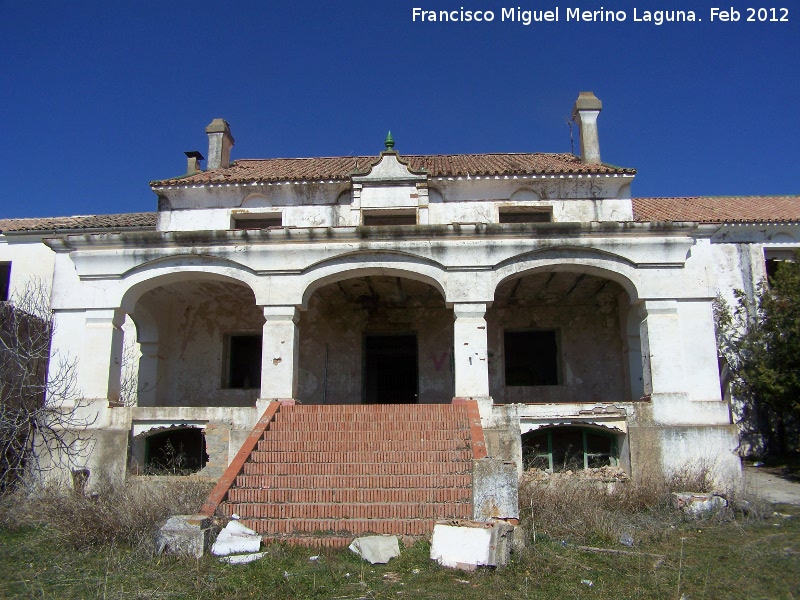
[{"x": 390, "y": 369}]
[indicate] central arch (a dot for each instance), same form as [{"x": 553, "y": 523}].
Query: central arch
[{"x": 375, "y": 336}]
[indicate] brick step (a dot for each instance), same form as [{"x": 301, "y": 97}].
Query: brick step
[
  {"x": 349, "y": 495},
  {"x": 361, "y": 446},
  {"x": 357, "y": 482},
  {"x": 349, "y": 435},
  {"x": 395, "y": 409},
  {"x": 367, "y": 468},
  {"x": 393, "y": 456},
  {"x": 310, "y": 540},
  {"x": 358, "y": 510},
  {"x": 343, "y": 527},
  {"x": 319, "y": 427}
]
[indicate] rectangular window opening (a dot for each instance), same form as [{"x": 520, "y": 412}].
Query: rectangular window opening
[
  {"x": 5, "y": 281},
  {"x": 525, "y": 215},
  {"x": 258, "y": 221},
  {"x": 243, "y": 362},
  {"x": 386, "y": 217},
  {"x": 531, "y": 358}
]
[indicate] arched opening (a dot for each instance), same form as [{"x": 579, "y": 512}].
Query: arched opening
[
  {"x": 561, "y": 336},
  {"x": 375, "y": 338},
  {"x": 178, "y": 450},
  {"x": 570, "y": 448},
  {"x": 200, "y": 344}
]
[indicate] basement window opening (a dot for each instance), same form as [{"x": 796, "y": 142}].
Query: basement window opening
[
  {"x": 531, "y": 358},
  {"x": 177, "y": 451},
  {"x": 5, "y": 281},
  {"x": 524, "y": 215},
  {"x": 383, "y": 217},
  {"x": 258, "y": 221},
  {"x": 561, "y": 449},
  {"x": 243, "y": 364}
]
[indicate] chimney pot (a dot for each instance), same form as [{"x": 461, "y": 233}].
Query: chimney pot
[
  {"x": 193, "y": 162},
  {"x": 587, "y": 108},
  {"x": 220, "y": 142}
]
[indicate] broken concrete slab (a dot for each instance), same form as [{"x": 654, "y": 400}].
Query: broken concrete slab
[
  {"x": 235, "y": 538},
  {"x": 184, "y": 534},
  {"x": 376, "y": 548},
  {"x": 697, "y": 505},
  {"x": 242, "y": 559},
  {"x": 469, "y": 544}
]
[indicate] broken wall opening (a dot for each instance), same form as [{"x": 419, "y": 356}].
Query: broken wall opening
[
  {"x": 179, "y": 450},
  {"x": 357, "y": 324}
]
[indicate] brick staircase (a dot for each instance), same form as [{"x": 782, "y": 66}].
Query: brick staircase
[{"x": 322, "y": 475}]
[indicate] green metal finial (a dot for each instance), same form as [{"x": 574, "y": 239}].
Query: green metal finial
[{"x": 389, "y": 142}]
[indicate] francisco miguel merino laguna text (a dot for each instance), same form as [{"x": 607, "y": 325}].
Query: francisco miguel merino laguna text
[{"x": 527, "y": 17}]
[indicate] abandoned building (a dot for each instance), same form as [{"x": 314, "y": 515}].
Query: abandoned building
[{"x": 300, "y": 295}]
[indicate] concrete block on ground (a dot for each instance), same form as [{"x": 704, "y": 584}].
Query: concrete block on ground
[
  {"x": 698, "y": 505},
  {"x": 185, "y": 534},
  {"x": 468, "y": 545}
]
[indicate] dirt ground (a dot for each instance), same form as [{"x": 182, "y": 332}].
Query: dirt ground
[{"x": 771, "y": 485}]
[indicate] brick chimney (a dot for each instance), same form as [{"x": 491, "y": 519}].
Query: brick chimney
[
  {"x": 193, "y": 162},
  {"x": 220, "y": 142},
  {"x": 585, "y": 112}
]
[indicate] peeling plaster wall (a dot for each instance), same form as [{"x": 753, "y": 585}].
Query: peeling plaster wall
[{"x": 193, "y": 319}]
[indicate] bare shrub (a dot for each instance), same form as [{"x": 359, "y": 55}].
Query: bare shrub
[
  {"x": 127, "y": 513},
  {"x": 582, "y": 510},
  {"x": 40, "y": 426}
]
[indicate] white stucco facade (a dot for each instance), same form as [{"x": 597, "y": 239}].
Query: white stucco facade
[{"x": 623, "y": 309}]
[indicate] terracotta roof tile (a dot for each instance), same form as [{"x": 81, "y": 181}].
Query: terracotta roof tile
[
  {"x": 718, "y": 209},
  {"x": 437, "y": 165},
  {"x": 121, "y": 221}
]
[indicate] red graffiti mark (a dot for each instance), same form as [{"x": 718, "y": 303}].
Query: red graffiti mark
[{"x": 438, "y": 362}]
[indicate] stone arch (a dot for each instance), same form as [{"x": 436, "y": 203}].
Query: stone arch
[
  {"x": 525, "y": 194},
  {"x": 256, "y": 200},
  {"x": 180, "y": 268},
  {"x": 376, "y": 263},
  {"x": 572, "y": 259}
]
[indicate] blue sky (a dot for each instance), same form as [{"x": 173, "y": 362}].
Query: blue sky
[{"x": 100, "y": 98}]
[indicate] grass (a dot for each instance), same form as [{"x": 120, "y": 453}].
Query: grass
[{"x": 728, "y": 556}]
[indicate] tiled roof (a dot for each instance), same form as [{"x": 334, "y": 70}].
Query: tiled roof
[
  {"x": 718, "y": 209},
  {"x": 711, "y": 209},
  {"x": 437, "y": 165},
  {"x": 123, "y": 221}
]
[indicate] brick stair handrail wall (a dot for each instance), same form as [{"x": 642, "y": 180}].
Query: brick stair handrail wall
[{"x": 220, "y": 490}]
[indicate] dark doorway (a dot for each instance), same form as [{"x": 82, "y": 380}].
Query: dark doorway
[{"x": 390, "y": 369}]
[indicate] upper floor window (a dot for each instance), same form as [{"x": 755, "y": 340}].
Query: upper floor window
[
  {"x": 525, "y": 215},
  {"x": 257, "y": 220},
  {"x": 389, "y": 217}
]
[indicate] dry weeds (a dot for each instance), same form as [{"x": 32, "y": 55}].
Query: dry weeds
[
  {"x": 127, "y": 513},
  {"x": 581, "y": 510}
]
